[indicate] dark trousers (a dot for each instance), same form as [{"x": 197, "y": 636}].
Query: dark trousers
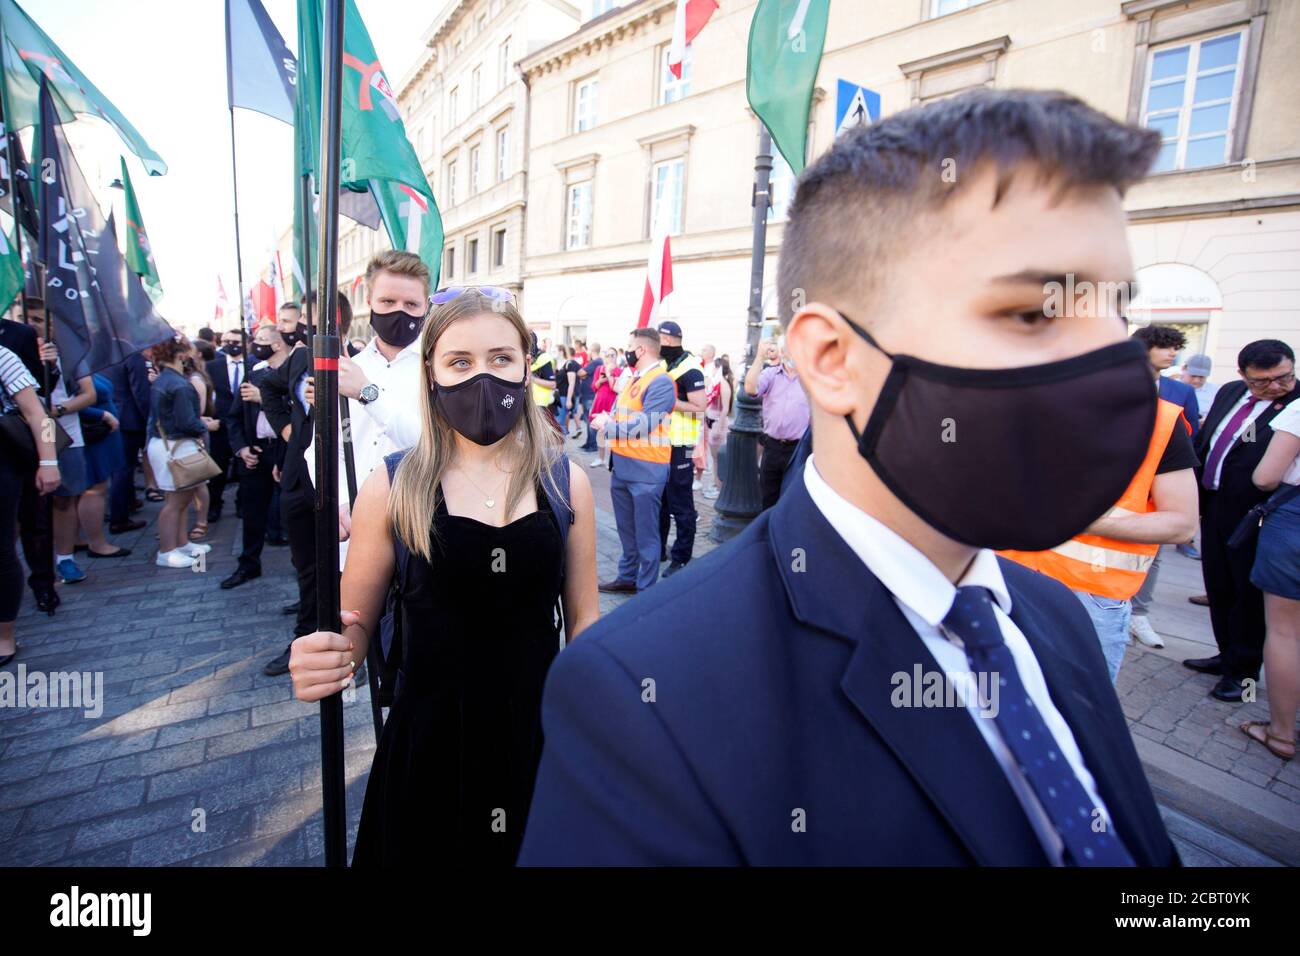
[
  {"x": 11, "y": 570},
  {"x": 275, "y": 515},
  {"x": 257, "y": 487},
  {"x": 121, "y": 491},
  {"x": 36, "y": 530},
  {"x": 1236, "y": 605},
  {"x": 771, "y": 469},
  {"x": 219, "y": 448},
  {"x": 590, "y": 443},
  {"x": 299, "y": 515},
  {"x": 679, "y": 505}
]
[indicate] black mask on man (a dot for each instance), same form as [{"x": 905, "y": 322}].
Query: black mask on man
[
  {"x": 397, "y": 328},
  {"x": 631, "y": 358},
  {"x": 670, "y": 353},
  {"x": 233, "y": 349},
  {"x": 484, "y": 408},
  {"x": 1014, "y": 458}
]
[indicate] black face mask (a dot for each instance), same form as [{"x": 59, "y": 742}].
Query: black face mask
[
  {"x": 631, "y": 359},
  {"x": 1018, "y": 458},
  {"x": 671, "y": 353},
  {"x": 262, "y": 352},
  {"x": 397, "y": 328},
  {"x": 484, "y": 408},
  {"x": 234, "y": 349}
]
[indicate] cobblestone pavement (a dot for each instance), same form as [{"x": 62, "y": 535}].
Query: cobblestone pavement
[{"x": 199, "y": 759}]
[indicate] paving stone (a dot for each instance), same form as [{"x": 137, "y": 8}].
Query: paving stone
[
  {"x": 152, "y": 762},
  {"x": 140, "y": 821},
  {"x": 83, "y": 807},
  {"x": 179, "y": 843},
  {"x": 209, "y": 773},
  {"x": 202, "y": 728}
]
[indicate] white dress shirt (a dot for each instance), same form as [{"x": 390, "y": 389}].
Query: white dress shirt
[
  {"x": 1260, "y": 407},
  {"x": 390, "y": 423},
  {"x": 925, "y": 596}
]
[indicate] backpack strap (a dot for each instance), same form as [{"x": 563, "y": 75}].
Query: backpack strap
[
  {"x": 562, "y": 508},
  {"x": 390, "y": 626}
]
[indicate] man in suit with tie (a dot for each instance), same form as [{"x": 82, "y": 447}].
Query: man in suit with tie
[
  {"x": 1231, "y": 443},
  {"x": 227, "y": 370},
  {"x": 886, "y": 690},
  {"x": 287, "y": 409}
]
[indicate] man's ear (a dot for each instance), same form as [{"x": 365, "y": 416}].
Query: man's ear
[{"x": 826, "y": 358}]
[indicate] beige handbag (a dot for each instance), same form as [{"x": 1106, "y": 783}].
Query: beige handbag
[{"x": 193, "y": 469}]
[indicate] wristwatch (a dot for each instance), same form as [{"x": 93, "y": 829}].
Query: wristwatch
[
  {"x": 59, "y": 411},
  {"x": 368, "y": 394}
]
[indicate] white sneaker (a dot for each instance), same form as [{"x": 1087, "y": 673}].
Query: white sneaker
[
  {"x": 1141, "y": 628},
  {"x": 712, "y": 493},
  {"x": 696, "y": 486},
  {"x": 174, "y": 559},
  {"x": 194, "y": 548},
  {"x": 595, "y": 463}
]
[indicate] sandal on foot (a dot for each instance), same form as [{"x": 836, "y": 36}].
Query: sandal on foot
[
  {"x": 199, "y": 531},
  {"x": 153, "y": 494},
  {"x": 1272, "y": 741}
]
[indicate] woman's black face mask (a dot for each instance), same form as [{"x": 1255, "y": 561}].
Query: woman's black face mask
[
  {"x": 1015, "y": 458},
  {"x": 483, "y": 408}
]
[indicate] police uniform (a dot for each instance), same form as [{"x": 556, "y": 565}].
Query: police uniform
[{"x": 684, "y": 431}]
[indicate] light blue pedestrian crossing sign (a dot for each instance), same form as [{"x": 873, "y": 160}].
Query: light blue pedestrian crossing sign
[{"x": 855, "y": 106}]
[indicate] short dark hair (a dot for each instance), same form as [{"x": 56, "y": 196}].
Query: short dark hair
[
  {"x": 1264, "y": 353},
  {"x": 206, "y": 334},
  {"x": 33, "y": 302},
  {"x": 855, "y": 202},
  {"x": 651, "y": 337},
  {"x": 1160, "y": 337},
  {"x": 205, "y": 349},
  {"x": 345, "y": 315}
]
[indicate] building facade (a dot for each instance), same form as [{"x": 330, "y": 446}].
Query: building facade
[{"x": 617, "y": 145}]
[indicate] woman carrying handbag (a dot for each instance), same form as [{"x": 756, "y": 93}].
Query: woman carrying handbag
[{"x": 175, "y": 452}]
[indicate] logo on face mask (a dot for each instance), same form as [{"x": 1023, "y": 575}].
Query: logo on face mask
[{"x": 508, "y": 401}]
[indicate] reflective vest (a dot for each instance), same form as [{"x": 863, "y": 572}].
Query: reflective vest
[
  {"x": 1104, "y": 566},
  {"x": 683, "y": 427},
  {"x": 655, "y": 447},
  {"x": 543, "y": 390}
]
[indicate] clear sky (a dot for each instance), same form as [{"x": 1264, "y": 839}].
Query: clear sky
[{"x": 162, "y": 63}]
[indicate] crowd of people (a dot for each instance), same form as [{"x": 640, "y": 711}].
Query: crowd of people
[{"x": 984, "y": 491}]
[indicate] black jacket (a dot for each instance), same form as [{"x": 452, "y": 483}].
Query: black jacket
[
  {"x": 21, "y": 340},
  {"x": 280, "y": 402},
  {"x": 1237, "y": 494}
]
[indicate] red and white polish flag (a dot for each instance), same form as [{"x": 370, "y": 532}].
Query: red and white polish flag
[
  {"x": 658, "y": 279},
  {"x": 689, "y": 20}
]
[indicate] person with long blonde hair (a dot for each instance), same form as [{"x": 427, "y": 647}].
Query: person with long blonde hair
[{"x": 491, "y": 560}]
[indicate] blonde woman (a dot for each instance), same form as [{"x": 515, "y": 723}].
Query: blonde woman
[{"x": 476, "y": 525}]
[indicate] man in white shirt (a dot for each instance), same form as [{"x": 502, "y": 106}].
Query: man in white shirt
[
  {"x": 382, "y": 382},
  {"x": 886, "y": 690}
]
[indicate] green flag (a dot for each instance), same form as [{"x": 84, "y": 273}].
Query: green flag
[
  {"x": 11, "y": 269},
  {"x": 412, "y": 221},
  {"x": 375, "y": 154},
  {"x": 785, "y": 50},
  {"x": 139, "y": 254},
  {"x": 28, "y": 54}
]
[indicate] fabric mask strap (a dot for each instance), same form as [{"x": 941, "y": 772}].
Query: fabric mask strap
[{"x": 866, "y": 337}]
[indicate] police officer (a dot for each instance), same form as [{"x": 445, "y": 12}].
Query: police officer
[
  {"x": 687, "y": 374},
  {"x": 542, "y": 368}
]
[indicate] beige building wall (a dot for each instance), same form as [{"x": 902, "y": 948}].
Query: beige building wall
[{"x": 1235, "y": 221}]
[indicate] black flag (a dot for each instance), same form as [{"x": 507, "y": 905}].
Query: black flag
[
  {"x": 11, "y": 150},
  {"x": 98, "y": 318}
]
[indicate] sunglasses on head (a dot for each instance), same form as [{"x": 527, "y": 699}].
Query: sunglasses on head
[{"x": 487, "y": 291}]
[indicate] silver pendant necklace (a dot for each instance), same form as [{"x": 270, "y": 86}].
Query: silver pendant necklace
[{"x": 489, "y": 498}]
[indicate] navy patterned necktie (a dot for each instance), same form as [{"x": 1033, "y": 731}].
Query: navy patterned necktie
[{"x": 1068, "y": 805}]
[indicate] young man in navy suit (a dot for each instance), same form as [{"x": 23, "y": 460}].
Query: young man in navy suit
[{"x": 881, "y": 688}]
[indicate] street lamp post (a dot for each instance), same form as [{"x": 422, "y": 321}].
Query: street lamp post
[{"x": 741, "y": 499}]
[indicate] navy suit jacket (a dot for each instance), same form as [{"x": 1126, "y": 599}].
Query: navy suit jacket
[
  {"x": 771, "y": 737},
  {"x": 131, "y": 391}
]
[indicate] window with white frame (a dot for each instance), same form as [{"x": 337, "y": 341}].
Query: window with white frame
[
  {"x": 450, "y": 257},
  {"x": 780, "y": 186},
  {"x": 667, "y": 181},
  {"x": 503, "y": 154},
  {"x": 503, "y": 64},
  {"x": 452, "y": 112},
  {"x": 451, "y": 183},
  {"x": 939, "y": 8},
  {"x": 476, "y": 87},
  {"x": 578, "y": 228},
  {"x": 471, "y": 257},
  {"x": 1191, "y": 99},
  {"x": 473, "y": 169},
  {"x": 672, "y": 89},
  {"x": 584, "y": 104}
]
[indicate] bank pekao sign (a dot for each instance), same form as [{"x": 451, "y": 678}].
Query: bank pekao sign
[{"x": 1173, "y": 287}]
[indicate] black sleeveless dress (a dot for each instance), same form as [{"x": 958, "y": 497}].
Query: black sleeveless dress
[{"x": 453, "y": 774}]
